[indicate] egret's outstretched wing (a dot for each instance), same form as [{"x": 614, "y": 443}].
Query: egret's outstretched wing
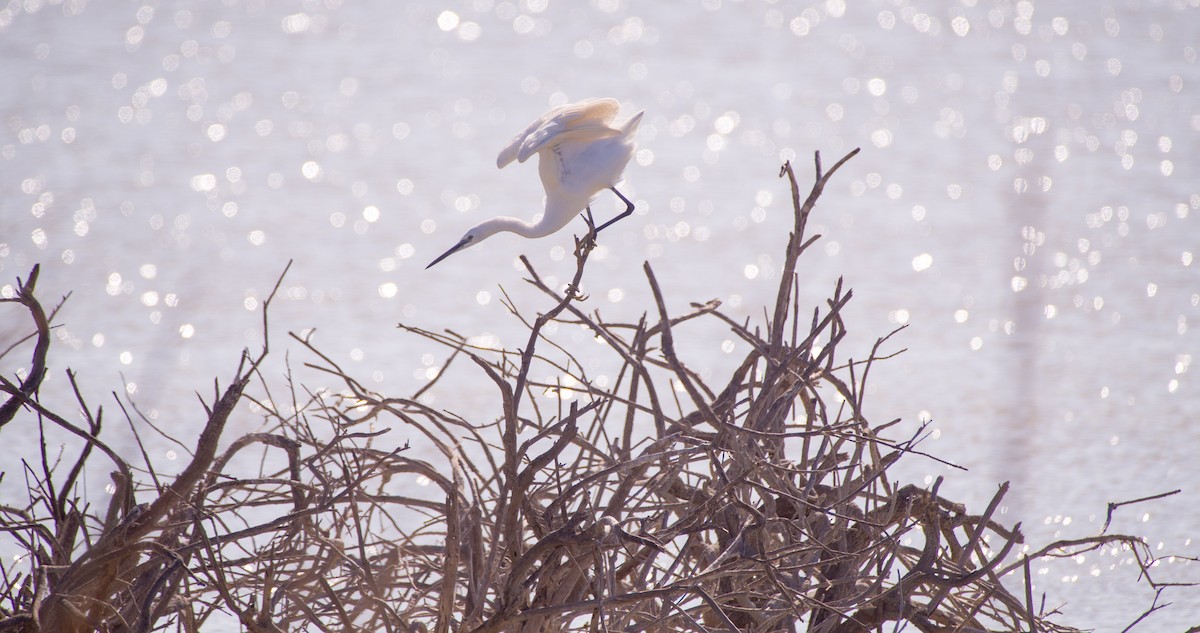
[{"x": 586, "y": 120}]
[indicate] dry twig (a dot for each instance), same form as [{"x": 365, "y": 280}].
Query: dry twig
[{"x": 764, "y": 503}]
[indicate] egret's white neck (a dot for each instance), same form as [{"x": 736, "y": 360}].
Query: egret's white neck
[{"x": 518, "y": 226}]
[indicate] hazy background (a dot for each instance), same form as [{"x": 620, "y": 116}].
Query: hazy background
[{"x": 1026, "y": 201}]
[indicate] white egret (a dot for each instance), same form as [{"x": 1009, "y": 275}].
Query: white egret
[{"x": 580, "y": 153}]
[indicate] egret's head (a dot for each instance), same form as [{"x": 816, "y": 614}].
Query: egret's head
[{"x": 472, "y": 237}]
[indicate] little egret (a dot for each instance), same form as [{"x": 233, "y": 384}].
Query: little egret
[{"x": 580, "y": 152}]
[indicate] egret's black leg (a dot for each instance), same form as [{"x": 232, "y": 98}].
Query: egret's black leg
[{"x": 628, "y": 210}]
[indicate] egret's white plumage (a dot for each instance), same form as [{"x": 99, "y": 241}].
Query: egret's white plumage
[{"x": 581, "y": 152}]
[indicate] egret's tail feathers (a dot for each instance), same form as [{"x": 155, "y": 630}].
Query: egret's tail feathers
[{"x": 631, "y": 126}]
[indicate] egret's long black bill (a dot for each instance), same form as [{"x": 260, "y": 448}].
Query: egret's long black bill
[{"x": 453, "y": 249}]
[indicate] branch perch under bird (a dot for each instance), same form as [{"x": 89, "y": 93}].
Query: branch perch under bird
[
  {"x": 581, "y": 151},
  {"x": 610, "y": 487}
]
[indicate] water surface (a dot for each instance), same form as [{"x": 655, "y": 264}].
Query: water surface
[{"x": 1025, "y": 203}]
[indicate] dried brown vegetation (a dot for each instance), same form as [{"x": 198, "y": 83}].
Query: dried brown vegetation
[{"x": 654, "y": 502}]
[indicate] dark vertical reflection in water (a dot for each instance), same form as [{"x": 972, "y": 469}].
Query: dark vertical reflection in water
[{"x": 1027, "y": 205}]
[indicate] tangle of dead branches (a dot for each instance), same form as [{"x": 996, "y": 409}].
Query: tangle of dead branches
[{"x": 652, "y": 500}]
